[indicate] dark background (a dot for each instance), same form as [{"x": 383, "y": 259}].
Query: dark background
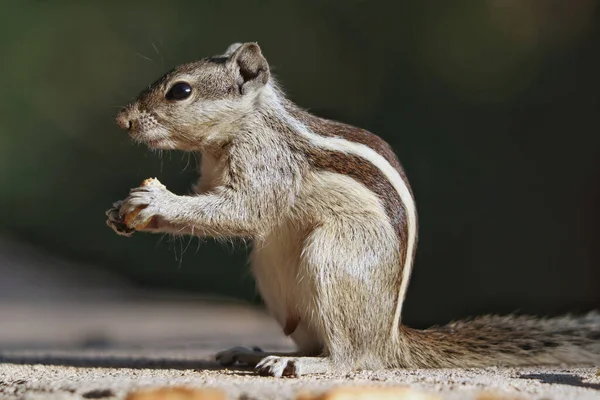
[{"x": 492, "y": 107}]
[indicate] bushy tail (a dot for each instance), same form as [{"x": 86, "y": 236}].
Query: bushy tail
[{"x": 504, "y": 341}]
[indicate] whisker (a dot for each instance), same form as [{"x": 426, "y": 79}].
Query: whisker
[
  {"x": 188, "y": 245},
  {"x": 162, "y": 60},
  {"x": 143, "y": 56},
  {"x": 172, "y": 242},
  {"x": 160, "y": 240},
  {"x": 196, "y": 161},
  {"x": 187, "y": 164},
  {"x": 181, "y": 251}
]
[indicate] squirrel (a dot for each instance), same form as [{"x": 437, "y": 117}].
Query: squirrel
[{"x": 332, "y": 220}]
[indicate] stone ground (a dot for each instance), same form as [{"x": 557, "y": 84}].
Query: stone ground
[
  {"x": 104, "y": 349},
  {"x": 72, "y": 332}
]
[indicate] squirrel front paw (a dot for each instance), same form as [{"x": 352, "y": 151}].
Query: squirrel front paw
[
  {"x": 138, "y": 210},
  {"x": 145, "y": 205},
  {"x": 116, "y": 221}
]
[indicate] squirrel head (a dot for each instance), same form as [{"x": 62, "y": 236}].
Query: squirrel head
[{"x": 198, "y": 102}]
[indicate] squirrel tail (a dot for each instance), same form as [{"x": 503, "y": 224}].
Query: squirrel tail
[{"x": 504, "y": 341}]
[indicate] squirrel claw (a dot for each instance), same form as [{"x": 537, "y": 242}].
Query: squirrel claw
[{"x": 115, "y": 221}]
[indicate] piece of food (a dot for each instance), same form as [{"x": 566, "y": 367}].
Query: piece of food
[
  {"x": 369, "y": 393},
  {"x": 129, "y": 218},
  {"x": 177, "y": 393}
]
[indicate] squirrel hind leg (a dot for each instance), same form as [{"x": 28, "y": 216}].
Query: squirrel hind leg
[
  {"x": 278, "y": 366},
  {"x": 352, "y": 307},
  {"x": 275, "y": 364}
]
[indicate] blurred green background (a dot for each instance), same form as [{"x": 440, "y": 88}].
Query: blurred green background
[{"x": 492, "y": 106}]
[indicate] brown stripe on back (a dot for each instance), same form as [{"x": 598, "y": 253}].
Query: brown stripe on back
[
  {"x": 369, "y": 175},
  {"x": 329, "y": 128},
  {"x": 358, "y": 168}
]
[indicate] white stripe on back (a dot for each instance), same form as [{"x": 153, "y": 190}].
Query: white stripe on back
[{"x": 342, "y": 145}]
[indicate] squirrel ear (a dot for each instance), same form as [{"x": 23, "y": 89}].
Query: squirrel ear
[
  {"x": 231, "y": 49},
  {"x": 251, "y": 65}
]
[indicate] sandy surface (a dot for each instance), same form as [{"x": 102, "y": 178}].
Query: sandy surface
[
  {"x": 100, "y": 349},
  {"x": 73, "y": 332}
]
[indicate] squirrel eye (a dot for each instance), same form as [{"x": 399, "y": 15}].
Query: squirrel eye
[{"x": 179, "y": 91}]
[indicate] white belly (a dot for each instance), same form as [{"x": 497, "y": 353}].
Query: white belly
[{"x": 287, "y": 294}]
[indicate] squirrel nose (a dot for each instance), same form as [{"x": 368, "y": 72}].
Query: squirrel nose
[{"x": 124, "y": 119}]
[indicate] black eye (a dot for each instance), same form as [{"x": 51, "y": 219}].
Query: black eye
[{"x": 179, "y": 91}]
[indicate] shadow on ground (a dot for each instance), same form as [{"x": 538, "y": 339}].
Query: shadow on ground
[
  {"x": 562, "y": 379},
  {"x": 111, "y": 361}
]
